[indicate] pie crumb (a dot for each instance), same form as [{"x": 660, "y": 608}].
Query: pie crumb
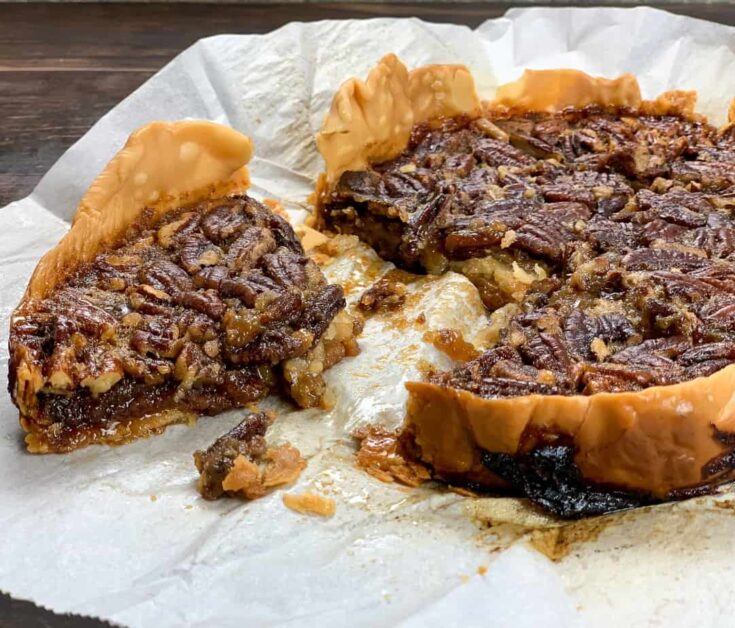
[
  {"x": 382, "y": 455},
  {"x": 241, "y": 463},
  {"x": 383, "y": 295},
  {"x": 310, "y": 238},
  {"x": 310, "y": 504},
  {"x": 283, "y": 465}
]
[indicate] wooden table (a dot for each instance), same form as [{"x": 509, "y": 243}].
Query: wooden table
[{"x": 62, "y": 66}]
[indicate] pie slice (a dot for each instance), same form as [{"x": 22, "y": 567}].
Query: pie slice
[
  {"x": 173, "y": 294},
  {"x": 599, "y": 230}
]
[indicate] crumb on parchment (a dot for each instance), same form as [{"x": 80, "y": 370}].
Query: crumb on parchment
[
  {"x": 382, "y": 455},
  {"x": 241, "y": 463},
  {"x": 279, "y": 466},
  {"x": 310, "y": 504}
]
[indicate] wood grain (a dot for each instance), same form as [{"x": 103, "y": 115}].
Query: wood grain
[{"x": 62, "y": 66}]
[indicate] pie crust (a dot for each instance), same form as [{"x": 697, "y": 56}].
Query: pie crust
[
  {"x": 371, "y": 121},
  {"x": 162, "y": 166}
]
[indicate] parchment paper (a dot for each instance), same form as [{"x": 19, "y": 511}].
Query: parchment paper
[{"x": 121, "y": 532}]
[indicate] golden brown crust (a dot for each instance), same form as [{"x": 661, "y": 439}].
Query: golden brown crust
[
  {"x": 554, "y": 90},
  {"x": 163, "y": 165},
  {"x": 372, "y": 120},
  {"x": 655, "y": 440},
  {"x": 673, "y": 103}
]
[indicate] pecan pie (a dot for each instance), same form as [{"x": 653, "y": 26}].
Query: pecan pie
[
  {"x": 599, "y": 230},
  {"x": 173, "y": 294}
]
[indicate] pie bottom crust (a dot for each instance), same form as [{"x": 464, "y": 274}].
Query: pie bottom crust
[{"x": 40, "y": 441}]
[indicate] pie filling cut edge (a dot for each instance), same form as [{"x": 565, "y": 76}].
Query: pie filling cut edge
[
  {"x": 173, "y": 294},
  {"x": 599, "y": 230}
]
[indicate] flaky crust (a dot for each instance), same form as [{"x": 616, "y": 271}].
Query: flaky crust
[
  {"x": 656, "y": 440},
  {"x": 43, "y": 442},
  {"x": 554, "y": 90},
  {"x": 163, "y": 165},
  {"x": 371, "y": 121}
]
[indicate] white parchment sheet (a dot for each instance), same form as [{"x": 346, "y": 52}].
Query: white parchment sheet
[{"x": 82, "y": 533}]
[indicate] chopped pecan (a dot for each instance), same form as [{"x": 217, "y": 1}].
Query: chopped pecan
[
  {"x": 497, "y": 153},
  {"x": 211, "y": 277},
  {"x": 322, "y": 309},
  {"x": 664, "y": 259},
  {"x": 193, "y": 367},
  {"x": 207, "y": 302},
  {"x": 198, "y": 252},
  {"x": 223, "y": 223},
  {"x": 162, "y": 342},
  {"x": 384, "y": 294},
  {"x": 286, "y": 268},
  {"x": 272, "y": 346}
]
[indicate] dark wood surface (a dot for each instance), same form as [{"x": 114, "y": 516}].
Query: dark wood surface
[
  {"x": 64, "y": 65},
  {"x": 23, "y": 614}
]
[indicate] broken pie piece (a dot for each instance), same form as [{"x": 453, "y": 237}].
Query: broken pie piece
[
  {"x": 598, "y": 229},
  {"x": 386, "y": 455},
  {"x": 241, "y": 463},
  {"x": 174, "y": 294}
]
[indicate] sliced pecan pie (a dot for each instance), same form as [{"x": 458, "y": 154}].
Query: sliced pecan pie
[
  {"x": 599, "y": 230},
  {"x": 173, "y": 294}
]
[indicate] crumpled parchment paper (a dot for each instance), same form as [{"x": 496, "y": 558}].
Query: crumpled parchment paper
[{"x": 121, "y": 533}]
